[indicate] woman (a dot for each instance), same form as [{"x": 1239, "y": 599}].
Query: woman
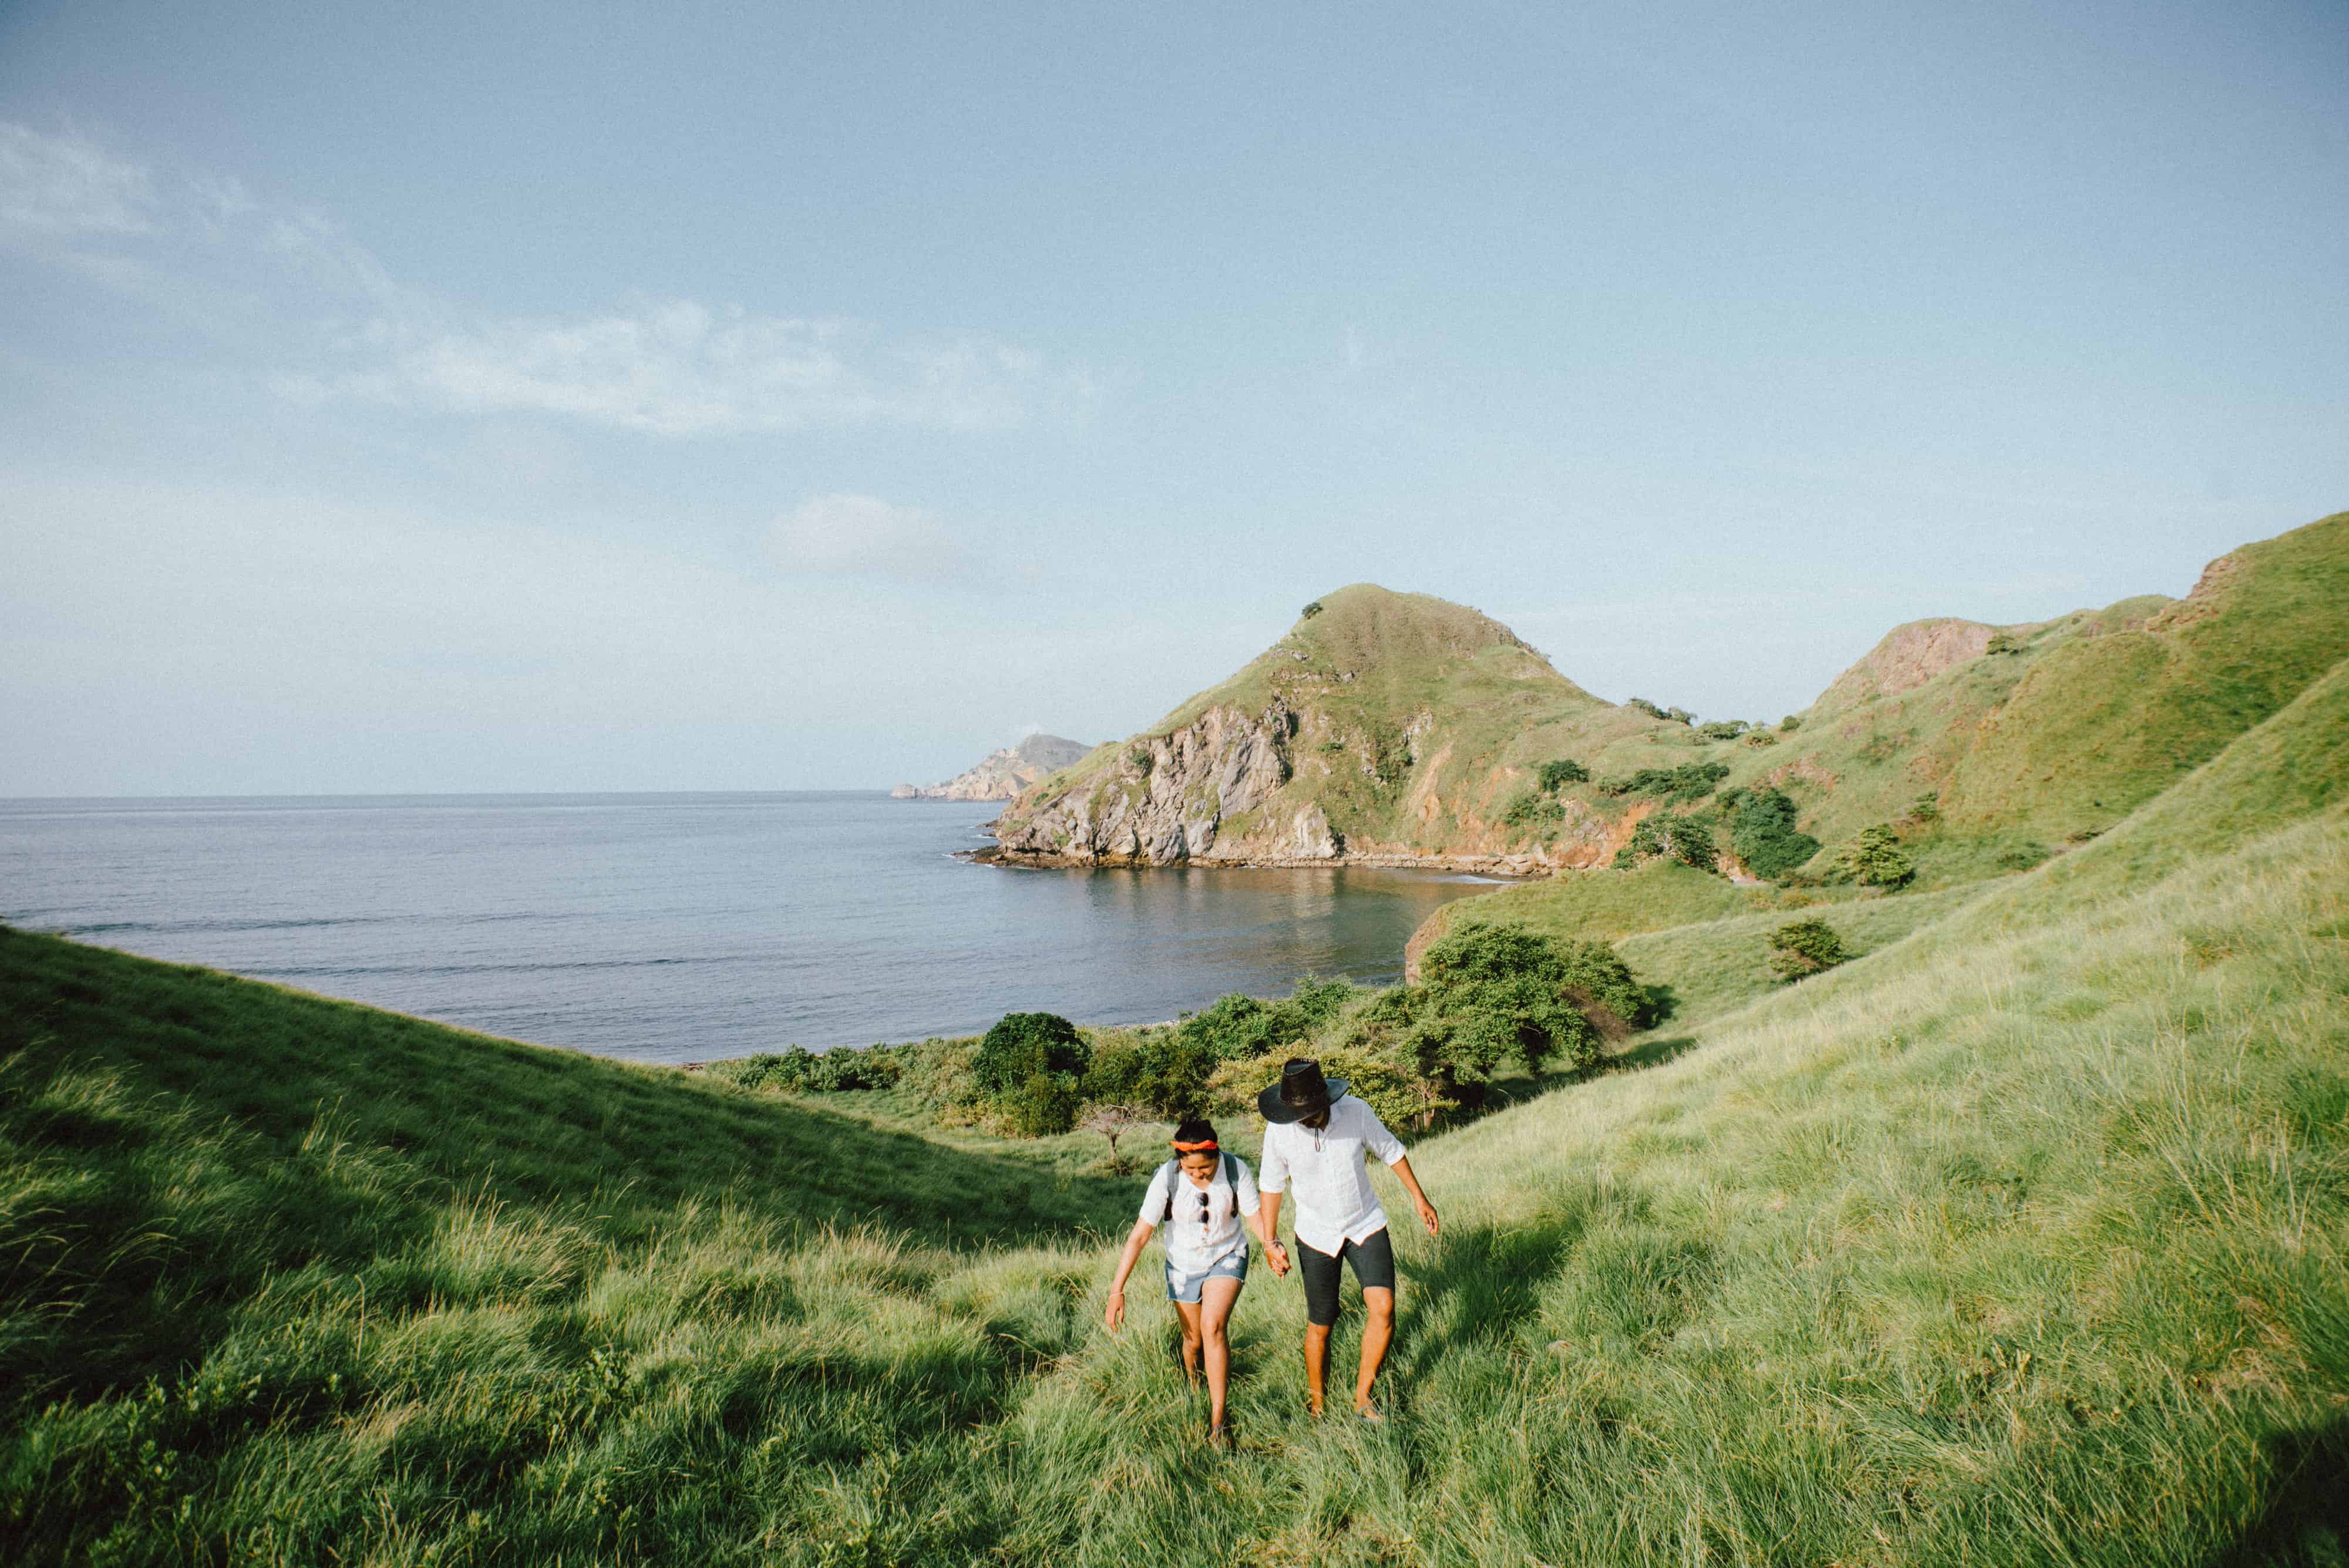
[{"x": 1201, "y": 1195}]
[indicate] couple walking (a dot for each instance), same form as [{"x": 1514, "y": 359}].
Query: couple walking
[{"x": 1315, "y": 1138}]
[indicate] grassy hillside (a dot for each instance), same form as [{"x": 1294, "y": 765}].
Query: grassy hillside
[
  {"x": 2019, "y": 1238},
  {"x": 2102, "y": 724}
]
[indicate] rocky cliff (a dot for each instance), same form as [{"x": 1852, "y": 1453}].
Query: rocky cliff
[{"x": 1001, "y": 775}]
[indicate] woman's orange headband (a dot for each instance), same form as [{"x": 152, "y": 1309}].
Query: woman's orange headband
[{"x": 1204, "y": 1146}]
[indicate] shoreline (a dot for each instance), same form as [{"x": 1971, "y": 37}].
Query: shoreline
[{"x": 1515, "y": 867}]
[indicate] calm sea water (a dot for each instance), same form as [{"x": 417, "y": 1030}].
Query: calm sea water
[{"x": 682, "y": 926}]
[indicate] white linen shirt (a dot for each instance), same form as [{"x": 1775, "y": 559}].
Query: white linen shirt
[
  {"x": 1335, "y": 1204},
  {"x": 1193, "y": 1244}
]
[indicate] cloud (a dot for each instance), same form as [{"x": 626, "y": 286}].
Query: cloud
[
  {"x": 863, "y": 536},
  {"x": 682, "y": 369},
  {"x": 342, "y": 326},
  {"x": 67, "y": 186}
]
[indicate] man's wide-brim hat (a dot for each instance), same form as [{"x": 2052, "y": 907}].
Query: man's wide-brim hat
[{"x": 1302, "y": 1090}]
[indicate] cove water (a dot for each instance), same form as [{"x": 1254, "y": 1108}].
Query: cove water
[{"x": 672, "y": 928}]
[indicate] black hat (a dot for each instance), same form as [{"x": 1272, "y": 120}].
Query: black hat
[{"x": 1302, "y": 1090}]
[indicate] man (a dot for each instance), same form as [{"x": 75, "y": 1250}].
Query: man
[{"x": 1315, "y": 1138}]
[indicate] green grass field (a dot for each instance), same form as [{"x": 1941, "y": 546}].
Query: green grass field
[{"x": 2018, "y": 1238}]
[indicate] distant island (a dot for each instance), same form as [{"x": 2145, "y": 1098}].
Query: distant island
[{"x": 1001, "y": 775}]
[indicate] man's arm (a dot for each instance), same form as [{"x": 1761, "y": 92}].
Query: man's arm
[{"x": 1402, "y": 1167}]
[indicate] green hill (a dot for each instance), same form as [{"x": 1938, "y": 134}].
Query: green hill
[
  {"x": 1389, "y": 728},
  {"x": 2019, "y": 1238}
]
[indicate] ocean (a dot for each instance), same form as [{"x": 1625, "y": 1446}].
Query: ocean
[{"x": 672, "y": 928}]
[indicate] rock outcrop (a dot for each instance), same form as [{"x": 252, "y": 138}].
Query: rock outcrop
[
  {"x": 1384, "y": 730},
  {"x": 1001, "y": 775}
]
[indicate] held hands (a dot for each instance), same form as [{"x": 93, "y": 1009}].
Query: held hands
[
  {"x": 1278, "y": 1256},
  {"x": 1427, "y": 1216},
  {"x": 1114, "y": 1315}
]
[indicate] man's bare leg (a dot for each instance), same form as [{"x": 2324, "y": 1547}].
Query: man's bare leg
[
  {"x": 1316, "y": 1361},
  {"x": 1378, "y": 1332}
]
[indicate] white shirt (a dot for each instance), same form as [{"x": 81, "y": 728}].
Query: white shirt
[
  {"x": 1335, "y": 1204},
  {"x": 1197, "y": 1241}
]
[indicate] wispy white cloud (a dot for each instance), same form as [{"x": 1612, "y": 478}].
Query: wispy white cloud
[
  {"x": 66, "y": 185},
  {"x": 349, "y": 329},
  {"x": 682, "y": 369},
  {"x": 863, "y": 536}
]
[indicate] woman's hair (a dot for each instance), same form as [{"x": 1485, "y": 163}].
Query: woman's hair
[{"x": 1195, "y": 1129}]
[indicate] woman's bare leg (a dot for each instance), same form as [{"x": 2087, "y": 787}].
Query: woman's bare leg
[
  {"x": 1186, "y": 1316},
  {"x": 1215, "y": 1300}
]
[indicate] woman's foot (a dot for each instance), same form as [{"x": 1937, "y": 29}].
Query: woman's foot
[{"x": 1313, "y": 1408}]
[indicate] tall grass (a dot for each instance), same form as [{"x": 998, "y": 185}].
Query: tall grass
[{"x": 2018, "y": 1240}]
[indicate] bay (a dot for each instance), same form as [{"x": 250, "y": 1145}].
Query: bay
[{"x": 669, "y": 927}]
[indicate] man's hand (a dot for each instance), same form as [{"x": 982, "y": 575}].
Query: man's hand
[
  {"x": 1114, "y": 1314},
  {"x": 1278, "y": 1256},
  {"x": 1427, "y": 1216}
]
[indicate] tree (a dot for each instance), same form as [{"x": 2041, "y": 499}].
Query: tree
[
  {"x": 1805, "y": 948},
  {"x": 1113, "y": 1122},
  {"x": 1877, "y": 859},
  {"x": 1492, "y": 994}
]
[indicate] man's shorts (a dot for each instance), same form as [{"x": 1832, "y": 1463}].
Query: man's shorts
[
  {"x": 1183, "y": 1287},
  {"x": 1374, "y": 1260}
]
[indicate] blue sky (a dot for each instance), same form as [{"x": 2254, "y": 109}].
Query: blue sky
[{"x": 507, "y": 397}]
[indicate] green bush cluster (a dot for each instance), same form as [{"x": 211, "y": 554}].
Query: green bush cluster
[
  {"x": 1790, "y": 723},
  {"x": 1687, "y": 839},
  {"x": 1876, "y": 860},
  {"x": 1682, "y": 785},
  {"x": 1487, "y": 997},
  {"x": 798, "y": 1071},
  {"x": 1804, "y": 947},
  {"x": 1644, "y": 706},
  {"x": 1533, "y": 809},
  {"x": 1029, "y": 1070},
  {"x": 1724, "y": 729},
  {"x": 1762, "y": 832},
  {"x": 1562, "y": 771}
]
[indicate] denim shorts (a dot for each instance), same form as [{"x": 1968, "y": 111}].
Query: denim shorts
[{"x": 1183, "y": 1287}]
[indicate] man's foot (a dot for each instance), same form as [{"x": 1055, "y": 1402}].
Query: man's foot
[
  {"x": 1219, "y": 1435},
  {"x": 1369, "y": 1412}
]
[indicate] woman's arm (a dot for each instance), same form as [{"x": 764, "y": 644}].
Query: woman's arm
[
  {"x": 1135, "y": 1240},
  {"x": 1268, "y": 1210}
]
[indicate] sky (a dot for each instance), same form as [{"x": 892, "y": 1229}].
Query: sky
[{"x": 495, "y": 397}]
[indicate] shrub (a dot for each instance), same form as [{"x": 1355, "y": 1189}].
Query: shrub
[
  {"x": 1533, "y": 809},
  {"x": 1679, "y": 785},
  {"x": 1311, "y": 611},
  {"x": 1790, "y": 723},
  {"x": 1043, "y": 1106},
  {"x": 1724, "y": 729},
  {"x": 1762, "y": 832},
  {"x": 1760, "y": 737},
  {"x": 1644, "y": 706},
  {"x": 1029, "y": 1069},
  {"x": 1804, "y": 947},
  {"x": 1877, "y": 859},
  {"x": 2004, "y": 642},
  {"x": 1238, "y": 1027},
  {"x": 1489, "y": 995},
  {"x": 798, "y": 1071},
  {"x": 1680, "y": 715},
  {"x": 1564, "y": 770},
  {"x": 1688, "y": 839},
  {"x": 1925, "y": 808}
]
